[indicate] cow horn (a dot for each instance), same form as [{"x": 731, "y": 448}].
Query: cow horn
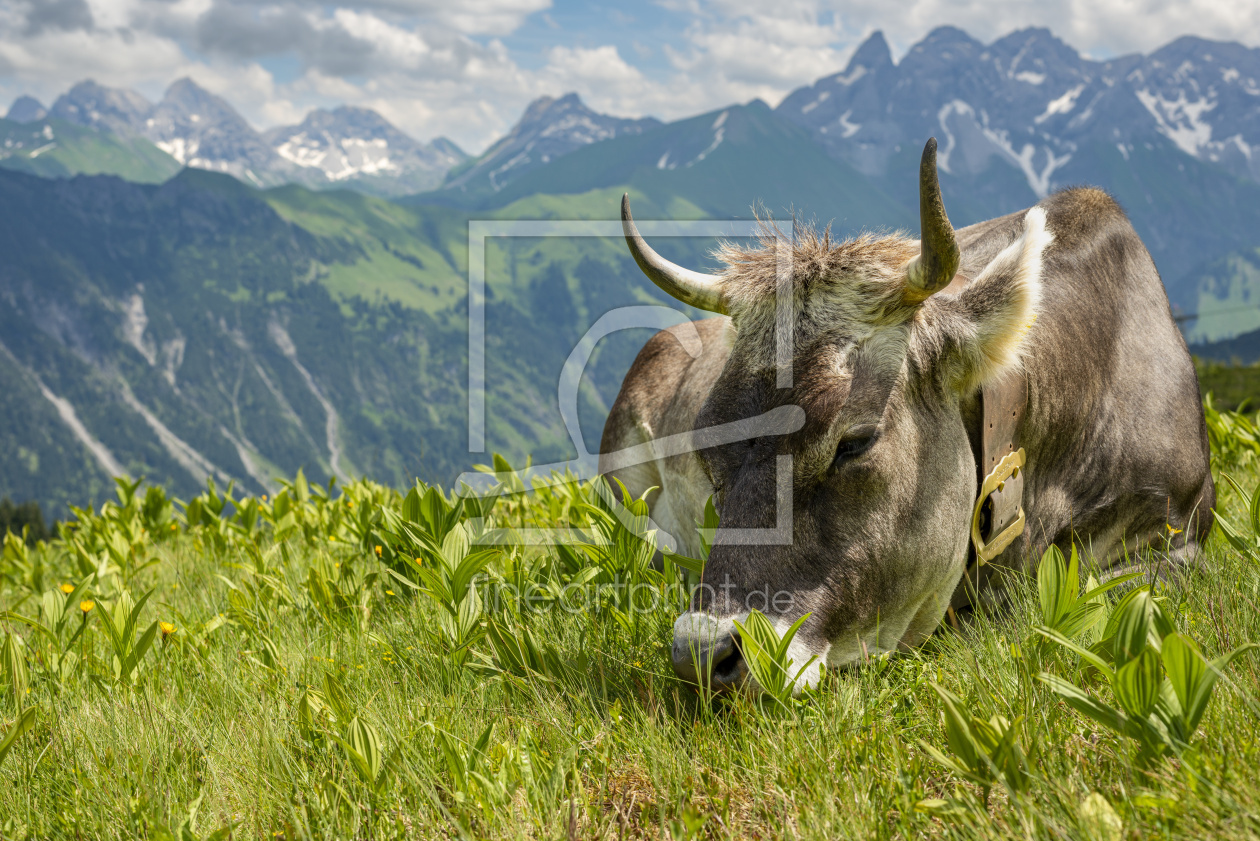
[
  {"x": 937, "y": 262},
  {"x": 699, "y": 290}
]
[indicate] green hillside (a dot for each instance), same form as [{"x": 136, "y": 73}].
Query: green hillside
[
  {"x": 203, "y": 329},
  {"x": 57, "y": 149},
  {"x": 717, "y": 165}
]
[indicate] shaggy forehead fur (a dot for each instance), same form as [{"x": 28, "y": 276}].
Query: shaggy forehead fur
[{"x": 858, "y": 283}]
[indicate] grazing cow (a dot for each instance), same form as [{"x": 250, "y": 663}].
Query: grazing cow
[{"x": 1037, "y": 349}]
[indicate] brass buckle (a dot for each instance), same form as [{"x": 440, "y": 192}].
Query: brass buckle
[{"x": 1005, "y": 469}]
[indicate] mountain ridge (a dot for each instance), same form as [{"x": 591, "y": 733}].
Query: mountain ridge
[{"x": 202, "y": 130}]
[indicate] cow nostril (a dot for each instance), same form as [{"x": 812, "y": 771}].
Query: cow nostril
[{"x": 728, "y": 665}]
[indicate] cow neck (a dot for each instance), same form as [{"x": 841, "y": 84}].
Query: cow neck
[{"x": 997, "y": 516}]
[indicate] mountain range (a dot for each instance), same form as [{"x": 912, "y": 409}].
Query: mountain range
[
  {"x": 241, "y": 323},
  {"x": 353, "y": 147}
]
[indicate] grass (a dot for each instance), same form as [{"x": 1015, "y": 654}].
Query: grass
[
  {"x": 315, "y": 686},
  {"x": 1231, "y": 386}
]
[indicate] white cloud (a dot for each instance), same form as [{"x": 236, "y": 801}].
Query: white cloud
[{"x": 442, "y": 66}]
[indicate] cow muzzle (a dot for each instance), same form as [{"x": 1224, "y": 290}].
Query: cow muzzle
[{"x": 706, "y": 652}]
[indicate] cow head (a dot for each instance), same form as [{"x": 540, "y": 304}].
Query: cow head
[{"x": 879, "y": 482}]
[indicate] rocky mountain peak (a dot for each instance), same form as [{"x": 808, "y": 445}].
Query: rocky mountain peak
[
  {"x": 119, "y": 110},
  {"x": 26, "y": 109},
  {"x": 202, "y": 130},
  {"x": 872, "y": 54},
  {"x": 349, "y": 143},
  {"x": 550, "y": 128},
  {"x": 1031, "y": 102}
]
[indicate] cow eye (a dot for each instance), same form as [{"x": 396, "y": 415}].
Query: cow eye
[{"x": 854, "y": 446}]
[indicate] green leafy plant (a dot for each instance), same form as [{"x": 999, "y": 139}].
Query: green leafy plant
[
  {"x": 121, "y": 626},
  {"x": 1064, "y": 608},
  {"x": 1160, "y": 680},
  {"x": 984, "y": 752},
  {"x": 517, "y": 654},
  {"x": 447, "y": 574},
  {"x": 1247, "y": 544},
  {"x": 362, "y": 746},
  {"x": 768, "y": 657},
  {"x": 1234, "y": 436},
  {"x": 477, "y": 787},
  {"x": 341, "y": 591},
  {"x": 61, "y": 623},
  {"x": 186, "y": 830},
  {"x": 25, "y": 721},
  {"x": 13, "y": 668}
]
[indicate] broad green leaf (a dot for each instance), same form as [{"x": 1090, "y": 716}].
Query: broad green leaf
[
  {"x": 1133, "y": 626},
  {"x": 455, "y": 763},
  {"x": 402, "y": 579},
  {"x": 26, "y": 620},
  {"x": 411, "y": 506},
  {"x": 25, "y": 721},
  {"x": 1088, "y": 656},
  {"x": 434, "y": 510},
  {"x": 1111, "y": 583},
  {"x": 958, "y": 731},
  {"x": 1110, "y": 718},
  {"x": 363, "y": 739},
  {"x": 13, "y": 660},
  {"x": 1202, "y": 694},
  {"x": 141, "y": 648},
  {"x": 1254, "y": 511},
  {"x": 693, "y": 565},
  {"x": 335, "y": 695},
  {"x": 1137, "y": 684},
  {"x": 468, "y": 568},
  {"x": 950, "y": 763},
  {"x": 358, "y": 760},
  {"x": 1072, "y": 584},
  {"x": 454, "y": 547},
  {"x": 1051, "y": 584},
  {"x": 1083, "y": 616},
  {"x": 133, "y": 617},
  {"x": 479, "y": 747},
  {"x": 1161, "y": 625}
]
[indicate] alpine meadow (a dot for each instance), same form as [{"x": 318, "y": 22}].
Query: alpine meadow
[
  {"x": 334, "y": 548},
  {"x": 353, "y": 661}
]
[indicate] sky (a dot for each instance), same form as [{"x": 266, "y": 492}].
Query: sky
[{"x": 465, "y": 69}]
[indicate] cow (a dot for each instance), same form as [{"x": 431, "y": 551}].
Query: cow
[{"x": 891, "y": 345}]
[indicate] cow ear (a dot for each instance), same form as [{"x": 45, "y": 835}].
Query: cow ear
[{"x": 981, "y": 333}]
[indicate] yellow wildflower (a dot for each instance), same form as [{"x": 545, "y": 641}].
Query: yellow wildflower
[
  {"x": 167, "y": 629},
  {"x": 389, "y": 592},
  {"x": 419, "y": 561},
  {"x": 86, "y": 605},
  {"x": 1172, "y": 530},
  {"x": 67, "y": 588},
  {"x": 379, "y": 549}
]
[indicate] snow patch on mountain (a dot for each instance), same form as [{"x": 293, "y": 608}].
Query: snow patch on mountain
[
  {"x": 1062, "y": 105},
  {"x": 1180, "y": 120}
]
